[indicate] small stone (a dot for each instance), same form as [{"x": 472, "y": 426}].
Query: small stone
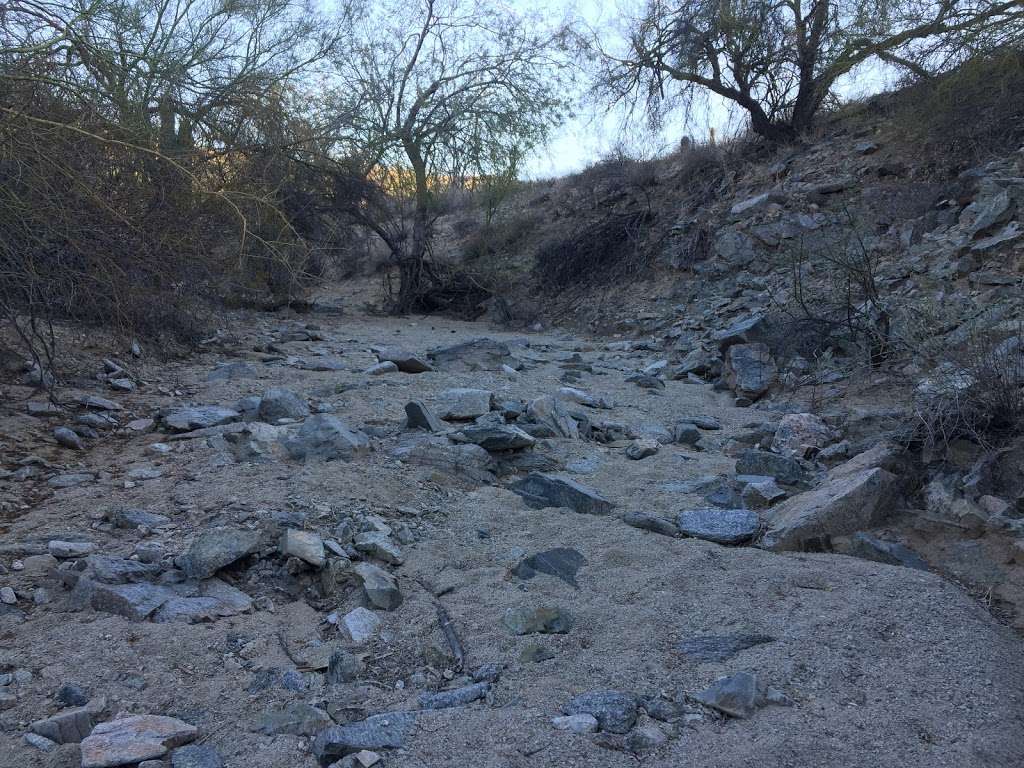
[
  {"x": 562, "y": 563},
  {"x": 528, "y": 621},
  {"x": 136, "y": 518},
  {"x": 650, "y": 523},
  {"x": 464, "y": 404},
  {"x": 305, "y": 545},
  {"x": 68, "y": 438},
  {"x": 419, "y": 416},
  {"x": 784, "y": 469},
  {"x": 122, "y": 385},
  {"x": 71, "y": 695},
  {"x": 196, "y": 756},
  {"x": 69, "y": 726},
  {"x": 761, "y": 494},
  {"x": 326, "y": 438},
  {"x": 66, "y": 550},
  {"x": 502, "y": 437},
  {"x": 381, "y": 368},
  {"x": 615, "y": 711},
  {"x": 217, "y": 548},
  {"x": 343, "y": 667},
  {"x": 279, "y": 403},
  {"x": 297, "y": 719},
  {"x": 722, "y": 526},
  {"x": 380, "y": 587},
  {"x": 646, "y": 738},
  {"x": 380, "y": 546},
  {"x": 641, "y": 449},
  {"x": 575, "y": 723},
  {"x": 40, "y": 742},
  {"x": 406, "y": 362},
  {"x": 361, "y": 624},
  {"x": 735, "y": 695},
  {"x": 454, "y": 698},
  {"x": 366, "y": 758},
  {"x": 7, "y": 596},
  {"x": 188, "y": 419}
]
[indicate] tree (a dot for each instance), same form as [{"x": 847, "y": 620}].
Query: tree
[
  {"x": 780, "y": 60},
  {"x": 435, "y": 93}
]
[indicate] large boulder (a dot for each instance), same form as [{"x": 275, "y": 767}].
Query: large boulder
[
  {"x": 750, "y": 369},
  {"x": 853, "y": 497}
]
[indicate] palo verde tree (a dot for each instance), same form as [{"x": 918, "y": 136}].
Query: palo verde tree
[
  {"x": 434, "y": 94},
  {"x": 780, "y": 60}
]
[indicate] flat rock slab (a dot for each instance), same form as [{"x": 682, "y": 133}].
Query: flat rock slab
[
  {"x": 784, "y": 469},
  {"x": 720, "y": 647},
  {"x": 722, "y": 526},
  {"x": 198, "y": 417},
  {"x": 464, "y": 404},
  {"x": 215, "y": 549},
  {"x": 562, "y": 563},
  {"x": 385, "y": 731},
  {"x": 477, "y": 355},
  {"x": 496, "y": 438},
  {"x": 134, "y": 739},
  {"x": 540, "y": 491}
]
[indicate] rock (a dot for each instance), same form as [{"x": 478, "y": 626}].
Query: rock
[
  {"x": 799, "y": 431},
  {"x": 136, "y": 602},
  {"x": 685, "y": 433},
  {"x": 119, "y": 570},
  {"x": 464, "y": 404},
  {"x": 846, "y": 502},
  {"x": 71, "y": 695},
  {"x": 644, "y": 381},
  {"x": 123, "y": 384},
  {"x": 540, "y": 491},
  {"x": 530, "y": 621},
  {"x": 231, "y": 599},
  {"x": 751, "y": 205},
  {"x": 650, "y": 523},
  {"x": 562, "y": 563},
  {"x": 784, "y": 469},
  {"x": 70, "y": 479},
  {"x": 42, "y": 408},
  {"x": 7, "y": 596},
  {"x": 455, "y": 698},
  {"x": 749, "y": 369},
  {"x": 385, "y": 731},
  {"x": 746, "y": 331},
  {"x": 199, "y": 417},
  {"x": 279, "y": 403},
  {"x": 551, "y": 414},
  {"x": 868, "y": 547},
  {"x": 718, "y": 648},
  {"x": 646, "y": 738},
  {"x": 297, "y": 719},
  {"x": 739, "y": 695},
  {"x": 575, "y": 723},
  {"x": 477, "y": 355},
  {"x": 214, "y": 549},
  {"x": 535, "y": 653},
  {"x": 497, "y": 438},
  {"x": 133, "y": 739},
  {"x": 380, "y": 369},
  {"x": 305, "y": 545},
  {"x": 615, "y": 711},
  {"x": 68, "y": 439},
  {"x": 326, "y": 438},
  {"x": 379, "y": 545},
  {"x": 580, "y": 397},
  {"x": 98, "y": 403},
  {"x": 381, "y": 587},
  {"x": 419, "y": 416},
  {"x": 722, "y": 526},
  {"x": 761, "y": 494},
  {"x": 196, "y": 756},
  {"x": 343, "y": 667},
  {"x": 467, "y": 461},
  {"x": 231, "y": 372},
  {"x": 67, "y": 727},
  {"x": 66, "y": 550},
  {"x": 41, "y": 743},
  {"x": 406, "y": 362},
  {"x": 361, "y": 624},
  {"x": 641, "y": 449},
  {"x": 138, "y": 518}
]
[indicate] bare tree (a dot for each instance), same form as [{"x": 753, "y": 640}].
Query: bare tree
[
  {"x": 780, "y": 60},
  {"x": 437, "y": 92}
]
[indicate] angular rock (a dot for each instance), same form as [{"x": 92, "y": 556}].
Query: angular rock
[
  {"x": 379, "y": 545},
  {"x": 231, "y": 372},
  {"x": 279, "y": 403},
  {"x": 296, "y": 719},
  {"x": 214, "y": 549},
  {"x": 198, "y": 417},
  {"x": 580, "y": 397},
  {"x": 497, "y": 438},
  {"x": 784, "y": 469},
  {"x": 120, "y": 570},
  {"x": 406, "y": 362},
  {"x": 99, "y": 403},
  {"x": 136, "y": 602},
  {"x": 66, "y": 550},
  {"x": 761, "y": 494},
  {"x": 530, "y": 621},
  {"x": 746, "y": 331},
  {"x": 645, "y": 738},
  {"x": 722, "y": 526},
  {"x": 650, "y": 523},
  {"x": 361, "y": 624},
  {"x": 868, "y": 547},
  {"x": 132, "y": 739},
  {"x": 455, "y": 698},
  {"x": 385, "y": 731},
  {"x": 67, "y": 727},
  {"x": 326, "y": 438},
  {"x": 68, "y": 439},
  {"x": 196, "y": 756},
  {"x": 615, "y": 711},
  {"x": 540, "y": 491},
  {"x": 550, "y": 413},
  {"x": 562, "y": 563},
  {"x": 305, "y": 545},
  {"x": 467, "y": 461},
  {"x": 477, "y": 355},
  {"x": 799, "y": 431},
  {"x": 419, "y": 416},
  {"x": 381, "y": 587},
  {"x": 343, "y": 667},
  {"x": 138, "y": 518},
  {"x": 464, "y": 404},
  {"x": 750, "y": 369},
  {"x": 718, "y": 648},
  {"x": 192, "y": 610},
  {"x": 641, "y": 449}
]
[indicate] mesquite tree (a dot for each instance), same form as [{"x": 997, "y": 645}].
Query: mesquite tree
[
  {"x": 436, "y": 93},
  {"x": 779, "y": 60}
]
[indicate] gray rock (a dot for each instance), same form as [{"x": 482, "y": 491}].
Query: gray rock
[
  {"x": 641, "y": 449},
  {"x": 70, "y": 479},
  {"x": 361, "y": 624},
  {"x": 343, "y": 667},
  {"x": 119, "y": 570},
  {"x": 650, "y": 523},
  {"x": 385, "y": 731},
  {"x": 686, "y": 433},
  {"x": 326, "y": 437},
  {"x": 761, "y": 494},
  {"x": 464, "y": 404},
  {"x": 380, "y": 587},
  {"x": 495, "y": 438},
  {"x": 41, "y": 743},
  {"x": 406, "y": 362},
  {"x": 136, "y": 602},
  {"x": 645, "y": 381},
  {"x": 67, "y": 727},
  {"x": 798, "y": 432},
  {"x": 750, "y": 370},
  {"x": 305, "y": 545},
  {"x": 198, "y": 417},
  {"x": 530, "y": 621},
  {"x": 99, "y": 403},
  {"x": 722, "y": 526},
  {"x": 132, "y": 739},
  {"x": 540, "y": 491},
  {"x": 196, "y": 756},
  {"x": 71, "y": 695},
  {"x": 380, "y": 369},
  {"x": 66, "y": 550},
  {"x": 296, "y": 719},
  {"x": 784, "y": 469},
  {"x": 379, "y": 545},
  {"x": 232, "y": 600},
  {"x": 477, "y": 355},
  {"x": 192, "y": 610},
  {"x": 454, "y": 698},
  {"x": 467, "y": 461},
  {"x": 575, "y": 723},
  {"x": 68, "y": 439},
  {"x": 746, "y": 331},
  {"x": 231, "y": 372},
  {"x": 718, "y": 648},
  {"x": 552, "y": 415},
  {"x": 419, "y": 416},
  {"x": 138, "y": 518},
  {"x": 868, "y": 547},
  {"x": 740, "y": 695},
  {"x": 122, "y": 384},
  {"x": 580, "y": 397},
  {"x": 214, "y": 549},
  {"x": 645, "y": 738},
  {"x": 562, "y": 563},
  {"x": 615, "y": 711},
  {"x": 279, "y": 403}
]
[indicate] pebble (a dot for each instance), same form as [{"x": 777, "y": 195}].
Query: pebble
[
  {"x": 7, "y": 596},
  {"x": 583, "y": 723}
]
